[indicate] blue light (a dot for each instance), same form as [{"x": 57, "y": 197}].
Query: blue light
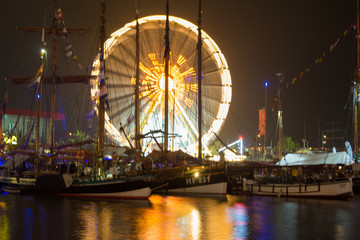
[
  {"x": 266, "y": 83},
  {"x": 38, "y": 96}
]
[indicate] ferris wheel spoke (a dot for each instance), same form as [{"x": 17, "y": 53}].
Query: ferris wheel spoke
[
  {"x": 122, "y": 61},
  {"x": 212, "y": 85},
  {"x": 148, "y": 95},
  {"x": 191, "y": 57},
  {"x": 122, "y": 97},
  {"x": 119, "y": 85},
  {"x": 204, "y": 60},
  {"x": 145, "y": 40},
  {"x": 208, "y": 112},
  {"x": 186, "y": 121},
  {"x": 209, "y": 72},
  {"x": 112, "y": 72},
  {"x": 186, "y": 40},
  {"x": 124, "y": 109},
  {"x": 126, "y": 53},
  {"x": 212, "y": 99},
  {"x": 149, "y": 111}
]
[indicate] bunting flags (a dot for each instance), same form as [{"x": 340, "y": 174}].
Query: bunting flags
[
  {"x": 69, "y": 51},
  {"x": 321, "y": 58}
]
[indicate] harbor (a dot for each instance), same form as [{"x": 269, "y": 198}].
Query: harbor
[
  {"x": 149, "y": 116},
  {"x": 178, "y": 217}
]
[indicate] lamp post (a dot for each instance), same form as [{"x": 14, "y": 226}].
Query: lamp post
[{"x": 266, "y": 84}]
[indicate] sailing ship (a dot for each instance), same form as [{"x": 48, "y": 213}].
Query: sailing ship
[
  {"x": 94, "y": 184},
  {"x": 134, "y": 184},
  {"x": 201, "y": 179}
]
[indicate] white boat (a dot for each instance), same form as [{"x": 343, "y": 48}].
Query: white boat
[
  {"x": 301, "y": 160},
  {"x": 337, "y": 189},
  {"x": 305, "y": 157}
]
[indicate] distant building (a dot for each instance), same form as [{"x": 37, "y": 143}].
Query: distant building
[{"x": 21, "y": 122}]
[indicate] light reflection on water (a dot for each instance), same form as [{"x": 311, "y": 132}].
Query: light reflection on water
[{"x": 177, "y": 217}]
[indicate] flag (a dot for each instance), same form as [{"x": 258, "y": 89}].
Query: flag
[
  {"x": 4, "y": 103},
  {"x": 261, "y": 122},
  {"x": 69, "y": 50},
  {"x": 91, "y": 114},
  {"x": 36, "y": 80},
  {"x": 301, "y": 75}
]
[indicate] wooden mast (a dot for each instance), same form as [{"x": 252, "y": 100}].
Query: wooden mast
[
  {"x": 279, "y": 75},
  {"x": 356, "y": 131},
  {"x": 199, "y": 46},
  {"x": 137, "y": 86},
  {"x": 2, "y": 112},
  {"x": 53, "y": 85},
  {"x": 167, "y": 58},
  {"x": 101, "y": 84},
  {"x": 37, "y": 136}
]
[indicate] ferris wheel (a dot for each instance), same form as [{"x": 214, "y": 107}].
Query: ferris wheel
[{"x": 120, "y": 61}]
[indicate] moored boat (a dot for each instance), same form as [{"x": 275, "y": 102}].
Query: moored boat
[
  {"x": 135, "y": 187},
  {"x": 305, "y": 174},
  {"x": 337, "y": 189},
  {"x": 197, "y": 180}
]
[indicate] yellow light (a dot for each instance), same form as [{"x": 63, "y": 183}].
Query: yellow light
[
  {"x": 196, "y": 174},
  {"x": 162, "y": 83}
]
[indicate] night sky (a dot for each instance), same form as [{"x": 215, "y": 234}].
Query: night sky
[{"x": 258, "y": 39}]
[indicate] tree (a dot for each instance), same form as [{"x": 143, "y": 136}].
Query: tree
[
  {"x": 288, "y": 145},
  {"x": 214, "y": 147},
  {"x": 78, "y": 137}
]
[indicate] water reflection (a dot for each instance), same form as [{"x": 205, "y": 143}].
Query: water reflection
[
  {"x": 174, "y": 217},
  {"x": 4, "y": 222},
  {"x": 239, "y": 219},
  {"x": 177, "y": 217}
]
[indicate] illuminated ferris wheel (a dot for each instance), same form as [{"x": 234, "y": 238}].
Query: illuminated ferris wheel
[{"x": 120, "y": 61}]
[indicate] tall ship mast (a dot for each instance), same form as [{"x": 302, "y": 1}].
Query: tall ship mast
[
  {"x": 357, "y": 87},
  {"x": 100, "y": 151},
  {"x": 199, "y": 46},
  {"x": 280, "y": 122},
  {"x": 167, "y": 59},
  {"x": 137, "y": 86}
]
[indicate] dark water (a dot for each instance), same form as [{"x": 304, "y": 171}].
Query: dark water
[{"x": 177, "y": 217}]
